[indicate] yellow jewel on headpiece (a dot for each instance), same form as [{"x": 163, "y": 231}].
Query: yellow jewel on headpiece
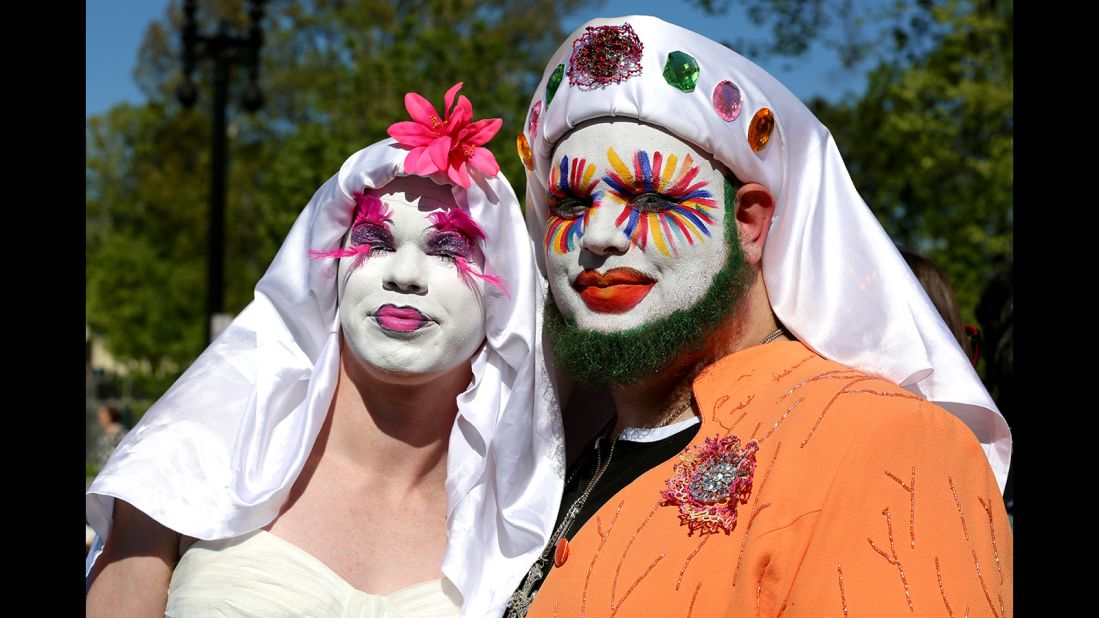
[
  {"x": 524, "y": 151},
  {"x": 759, "y": 132}
]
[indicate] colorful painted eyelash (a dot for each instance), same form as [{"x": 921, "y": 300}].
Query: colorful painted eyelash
[
  {"x": 575, "y": 180},
  {"x": 686, "y": 216}
]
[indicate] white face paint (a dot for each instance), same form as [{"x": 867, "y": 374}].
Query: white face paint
[
  {"x": 404, "y": 308},
  {"x": 636, "y": 226}
]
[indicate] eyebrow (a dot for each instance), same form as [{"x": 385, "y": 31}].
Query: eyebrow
[
  {"x": 579, "y": 176},
  {"x": 456, "y": 220},
  {"x": 657, "y": 176},
  {"x": 370, "y": 209}
]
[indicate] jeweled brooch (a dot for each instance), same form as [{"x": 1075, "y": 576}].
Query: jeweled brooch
[
  {"x": 710, "y": 481},
  {"x": 605, "y": 55}
]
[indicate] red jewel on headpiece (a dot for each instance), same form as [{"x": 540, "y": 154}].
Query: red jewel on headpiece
[{"x": 605, "y": 55}]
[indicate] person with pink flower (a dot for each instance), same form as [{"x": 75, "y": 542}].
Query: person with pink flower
[{"x": 363, "y": 439}]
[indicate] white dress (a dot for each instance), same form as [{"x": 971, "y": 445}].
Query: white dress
[{"x": 260, "y": 574}]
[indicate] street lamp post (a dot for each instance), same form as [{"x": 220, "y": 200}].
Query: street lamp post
[{"x": 224, "y": 50}]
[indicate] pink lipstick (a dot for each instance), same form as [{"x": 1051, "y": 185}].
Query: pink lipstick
[{"x": 400, "y": 319}]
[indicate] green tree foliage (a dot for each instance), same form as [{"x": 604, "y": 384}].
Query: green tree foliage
[
  {"x": 140, "y": 210},
  {"x": 930, "y": 143},
  {"x": 334, "y": 73}
]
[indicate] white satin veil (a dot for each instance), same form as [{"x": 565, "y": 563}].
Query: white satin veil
[
  {"x": 216, "y": 456},
  {"x": 834, "y": 277}
]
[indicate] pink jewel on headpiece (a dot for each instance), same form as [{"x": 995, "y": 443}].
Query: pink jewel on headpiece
[
  {"x": 532, "y": 124},
  {"x": 605, "y": 55},
  {"x": 727, "y": 101},
  {"x": 709, "y": 482},
  {"x": 449, "y": 143}
]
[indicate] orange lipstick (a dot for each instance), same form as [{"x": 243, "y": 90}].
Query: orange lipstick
[{"x": 616, "y": 291}]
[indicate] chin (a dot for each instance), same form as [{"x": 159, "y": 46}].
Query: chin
[
  {"x": 403, "y": 364},
  {"x": 402, "y": 370},
  {"x": 400, "y": 375}
]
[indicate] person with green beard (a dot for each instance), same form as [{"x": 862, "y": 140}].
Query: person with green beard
[{"x": 781, "y": 421}]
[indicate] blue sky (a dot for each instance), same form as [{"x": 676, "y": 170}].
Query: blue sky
[{"x": 115, "y": 29}]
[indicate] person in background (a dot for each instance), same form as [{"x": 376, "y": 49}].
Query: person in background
[
  {"x": 942, "y": 295},
  {"x": 110, "y": 421},
  {"x": 996, "y": 314}
]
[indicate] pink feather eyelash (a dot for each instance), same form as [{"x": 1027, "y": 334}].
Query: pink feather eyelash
[
  {"x": 466, "y": 272},
  {"x": 361, "y": 250},
  {"x": 459, "y": 221},
  {"x": 368, "y": 208}
]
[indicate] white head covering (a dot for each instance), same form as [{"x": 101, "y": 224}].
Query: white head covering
[
  {"x": 217, "y": 455},
  {"x": 834, "y": 277}
]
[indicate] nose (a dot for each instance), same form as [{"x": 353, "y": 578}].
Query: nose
[
  {"x": 406, "y": 272},
  {"x": 602, "y": 235}
]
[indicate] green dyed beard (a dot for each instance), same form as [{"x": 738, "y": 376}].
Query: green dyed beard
[{"x": 628, "y": 357}]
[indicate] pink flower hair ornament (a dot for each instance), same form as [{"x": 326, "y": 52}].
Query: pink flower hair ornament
[{"x": 451, "y": 144}]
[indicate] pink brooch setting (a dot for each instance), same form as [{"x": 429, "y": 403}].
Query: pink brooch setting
[
  {"x": 710, "y": 481},
  {"x": 452, "y": 144}
]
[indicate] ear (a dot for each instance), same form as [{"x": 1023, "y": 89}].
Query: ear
[{"x": 754, "y": 208}]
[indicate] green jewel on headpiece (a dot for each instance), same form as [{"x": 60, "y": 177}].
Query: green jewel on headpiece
[
  {"x": 554, "y": 82},
  {"x": 681, "y": 71}
]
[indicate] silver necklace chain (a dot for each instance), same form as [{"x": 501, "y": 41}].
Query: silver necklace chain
[
  {"x": 675, "y": 414},
  {"x": 769, "y": 338},
  {"x": 520, "y": 601}
]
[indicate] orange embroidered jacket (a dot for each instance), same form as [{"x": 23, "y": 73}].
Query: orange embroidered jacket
[{"x": 866, "y": 500}]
